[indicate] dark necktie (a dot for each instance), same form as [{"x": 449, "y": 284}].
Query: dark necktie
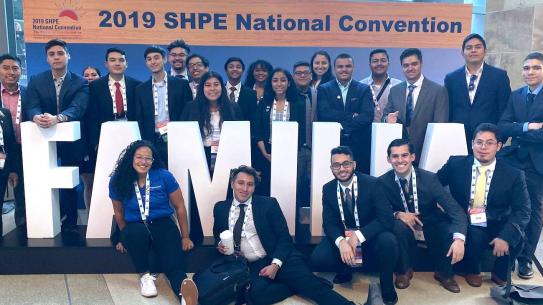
[
  {"x": 406, "y": 189},
  {"x": 119, "y": 100},
  {"x": 308, "y": 121},
  {"x": 472, "y": 80},
  {"x": 409, "y": 106},
  {"x": 239, "y": 226},
  {"x": 530, "y": 98},
  {"x": 349, "y": 202},
  {"x": 232, "y": 95},
  {"x": 181, "y": 76}
]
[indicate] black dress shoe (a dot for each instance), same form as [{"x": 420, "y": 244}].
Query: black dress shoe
[
  {"x": 525, "y": 270},
  {"x": 341, "y": 278},
  {"x": 389, "y": 297}
]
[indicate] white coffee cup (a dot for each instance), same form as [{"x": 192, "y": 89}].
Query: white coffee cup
[{"x": 227, "y": 240}]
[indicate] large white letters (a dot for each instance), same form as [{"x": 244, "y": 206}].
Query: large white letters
[
  {"x": 442, "y": 140},
  {"x": 43, "y": 176},
  {"x": 114, "y": 137},
  {"x": 381, "y": 136}
]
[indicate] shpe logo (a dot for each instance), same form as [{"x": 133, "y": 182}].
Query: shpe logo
[{"x": 70, "y": 13}]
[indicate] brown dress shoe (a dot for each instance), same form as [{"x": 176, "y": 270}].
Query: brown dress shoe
[
  {"x": 498, "y": 281},
  {"x": 402, "y": 280},
  {"x": 474, "y": 280},
  {"x": 448, "y": 283}
]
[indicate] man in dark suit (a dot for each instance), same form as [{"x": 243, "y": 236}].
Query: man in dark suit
[
  {"x": 261, "y": 235},
  {"x": 416, "y": 102},
  {"x": 522, "y": 120},
  {"x": 198, "y": 66},
  {"x": 478, "y": 92},
  {"x": 349, "y": 103},
  {"x": 357, "y": 222},
  {"x": 237, "y": 93},
  {"x": 415, "y": 194},
  {"x": 112, "y": 97},
  {"x": 495, "y": 197},
  {"x": 160, "y": 99},
  {"x": 57, "y": 96},
  {"x": 178, "y": 51},
  {"x": 13, "y": 97}
]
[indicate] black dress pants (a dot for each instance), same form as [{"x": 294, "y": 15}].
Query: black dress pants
[
  {"x": 534, "y": 181},
  {"x": 294, "y": 277},
  {"x": 438, "y": 240},
  {"x": 163, "y": 237},
  {"x": 380, "y": 251}
]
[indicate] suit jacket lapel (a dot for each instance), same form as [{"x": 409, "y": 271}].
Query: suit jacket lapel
[
  {"x": 107, "y": 93},
  {"x": 466, "y": 176},
  {"x": 483, "y": 82},
  {"x": 50, "y": 84},
  {"x": 463, "y": 87},
  {"x": 350, "y": 90},
  {"x": 403, "y": 100},
  {"x": 171, "y": 106},
  {"x": 338, "y": 97},
  {"x": 421, "y": 99},
  {"x": 63, "y": 89}
]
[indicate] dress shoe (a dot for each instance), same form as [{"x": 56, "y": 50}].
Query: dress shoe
[
  {"x": 402, "y": 280},
  {"x": 497, "y": 280},
  {"x": 525, "y": 270},
  {"x": 389, "y": 297},
  {"x": 448, "y": 283},
  {"x": 474, "y": 280},
  {"x": 341, "y": 278}
]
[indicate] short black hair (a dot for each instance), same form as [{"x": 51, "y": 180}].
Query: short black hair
[
  {"x": 231, "y": 59},
  {"x": 115, "y": 50},
  {"x": 9, "y": 57},
  {"x": 487, "y": 127},
  {"x": 301, "y": 63},
  {"x": 378, "y": 51},
  {"x": 534, "y": 55},
  {"x": 398, "y": 143},
  {"x": 342, "y": 150},
  {"x": 343, "y": 56},
  {"x": 246, "y": 170},
  {"x": 56, "y": 42},
  {"x": 154, "y": 49},
  {"x": 204, "y": 60},
  {"x": 180, "y": 43},
  {"x": 410, "y": 52},
  {"x": 470, "y": 37}
]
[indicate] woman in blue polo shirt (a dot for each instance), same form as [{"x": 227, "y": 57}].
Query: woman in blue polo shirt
[{"x": 145, "y": 197}]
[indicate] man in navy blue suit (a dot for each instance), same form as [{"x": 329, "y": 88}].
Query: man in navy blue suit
[
  {"x": 349, "y": 103},
  {"x": 478, "y": 92},
  {"x": 522, "y": 120},
  {"x": 57, "y": 96}
]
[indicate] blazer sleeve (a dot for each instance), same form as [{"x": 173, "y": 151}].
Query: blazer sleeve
[
  {"x": 33, "y": 99},
  {"x": 441, "y": 110},
  {"x": 331, "y": 220},
  {"x": 390, "y": 107},
  {"x": 509, "y": 127},
  {"x": 79, "y": 102},
  {"x": 326, "y": 112},
  {"x": 93, "y": 117},
  {"x": 504, "y": 92},
  {"x": 260, "y": 120},
  {"x": 384, "y": 219},
  {"x": 279, "y": 226},
  {"x": 459, "y": 223},
  {"x": 444, "y": 173},
  {"x": 10, "y": 146},
  {"x": 365, "y": 111},
  {"x": 520, "y": 212},
  {"x": 187, "y": 92},
  {"x": 217, "y": 222}
]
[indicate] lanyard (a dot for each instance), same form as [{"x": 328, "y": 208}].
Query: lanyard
[
  {"x": 233, "y": 219},
  {"x": 155, "y": 96},
  {"x": 285, "y": 112},
  {"x": 144, "y": 211},
  {"x": 415, "y": 195},
  {"x": 112, "y": 90},
  {"x": 18, "y": 116},
  {"x": 2, "y": 139},
  {"x": 355, "y": 197},
  {"x": 378, "y": 96},
  {"x": 474, "y": 181}
]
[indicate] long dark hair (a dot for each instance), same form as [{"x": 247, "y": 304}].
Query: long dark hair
[
  {"x": 328, "y": 74},
  {"x": 291, "y": 94},
  {"x": 203, "y": 115},
  {"x": 124, "y": 175},
  {"x": 250, "y": 78}
]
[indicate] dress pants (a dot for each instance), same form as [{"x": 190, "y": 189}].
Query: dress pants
[
  {"x": 477, "y": 241},
  {"x": 161, "y": 148},
  {"x": 438, "y": 240},
  {"x": 294, "y": 277},
  {"x": 163, "y": 237},
  {"x": 19, "y": 192},
  {"x": 381, "y": 251},
  {"x": 534, "y": 181},
  {"x": 264, "y": 167},
  {"x": 3, "y": 185}
]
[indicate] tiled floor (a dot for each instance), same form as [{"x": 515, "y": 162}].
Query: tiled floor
[{"x": 123, "y": 289}]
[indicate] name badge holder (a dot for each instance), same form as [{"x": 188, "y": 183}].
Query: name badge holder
[
  {"x": 477, "y": 216},
  {"x": 350, "y": 232},
  {"x": 419, "y": 233},
  {"x": 163, "y": 130}
]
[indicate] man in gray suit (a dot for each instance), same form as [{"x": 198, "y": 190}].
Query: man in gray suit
[{"x": 416, "y": 101}]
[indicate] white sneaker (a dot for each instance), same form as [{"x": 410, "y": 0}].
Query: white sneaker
[{"x": 147, "y": 286}]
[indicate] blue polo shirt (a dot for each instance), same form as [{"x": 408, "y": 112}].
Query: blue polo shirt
[{"x": 162, "y": 185}]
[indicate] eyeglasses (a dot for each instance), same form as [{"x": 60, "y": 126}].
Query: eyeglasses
[
  {"x": 302, "y": 73},
  {"x": 480, "y": 143},
  {"x": 345, "y": 164},
  {"x": 175, "y": 55},
  {"x": 196, "y": 65},
  {"x": 144, "y": 159}
]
